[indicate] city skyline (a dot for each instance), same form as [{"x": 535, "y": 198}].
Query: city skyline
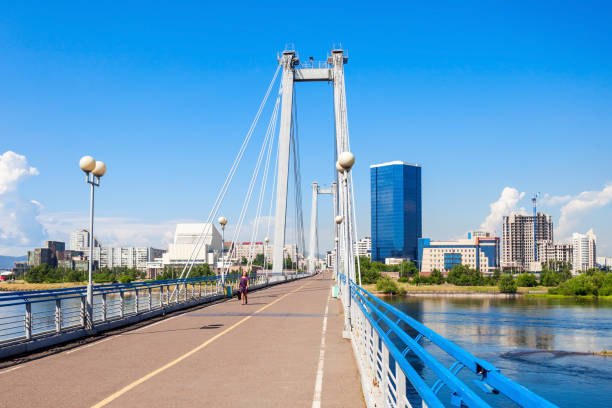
[{"x": 154, "y": 104}]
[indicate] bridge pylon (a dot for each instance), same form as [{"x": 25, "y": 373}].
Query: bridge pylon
[{"x": 331, "y": 70}]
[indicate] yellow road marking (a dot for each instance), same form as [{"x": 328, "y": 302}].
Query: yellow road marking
[{"x": 152, "y": 374}]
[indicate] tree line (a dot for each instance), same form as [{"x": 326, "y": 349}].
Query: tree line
[
  {"x": 555, "y": 275},
  {"x": 44, "y": 273}
]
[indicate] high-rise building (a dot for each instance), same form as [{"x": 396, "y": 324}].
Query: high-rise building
[
  {"x": 554, "y": 251},
  {"x": 395, "y": 210},
  {"x": 585, "y": 251},
  {"x": 363, "y": 247},
  {"x": 519, "y": 242},
  {"x": 330, "y": 259},
  {"x": 79, "y": 240},
  {"x": 480, "y": 253},
  {"x": 47, "y": 255}
]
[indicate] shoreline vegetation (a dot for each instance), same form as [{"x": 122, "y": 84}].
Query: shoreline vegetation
[
  {"x": 555, "y": 281},
  {"x": 45, "y": 277}
]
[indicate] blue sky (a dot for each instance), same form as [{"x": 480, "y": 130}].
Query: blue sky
[{"x": 483, "y": 95}]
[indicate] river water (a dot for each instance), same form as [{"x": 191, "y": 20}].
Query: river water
[{"x": 540, "y": 343}]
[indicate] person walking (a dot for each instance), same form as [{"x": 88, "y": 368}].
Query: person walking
[{"x": 243, "y": 288}]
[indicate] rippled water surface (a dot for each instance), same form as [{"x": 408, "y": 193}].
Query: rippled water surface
[{"x": 544, "y": 344}]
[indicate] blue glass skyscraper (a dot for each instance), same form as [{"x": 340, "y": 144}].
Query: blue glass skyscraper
[{"x": 396, "y": 210}]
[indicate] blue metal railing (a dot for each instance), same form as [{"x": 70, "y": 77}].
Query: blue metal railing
[
  {"x": 28, "y": 316},
  {"x": 382, "y": 346},
  {"x": 34, "y": 296}
]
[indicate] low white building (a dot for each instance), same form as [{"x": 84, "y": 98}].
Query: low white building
[
  {"x": 480, "y": 253},
  {"x": 604, "y": 262},
  {"x": 124, "y": 257},
  {"x": 188, "y": 245},
  {"x": 363, "y": 247},
  {"x": 250, "y": 250}
]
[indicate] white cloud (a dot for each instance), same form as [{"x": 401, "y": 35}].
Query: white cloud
[
  {"x": 14, "y": 169},
  {"x": 20, "y": 228},
  {"x": 580, "y": 205},
  {"x": 552, "y": 201},
  {"x": 506, "y": 204},
  {"x": 112, "y": 231}
]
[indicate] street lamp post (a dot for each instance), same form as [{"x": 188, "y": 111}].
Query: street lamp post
[
  {"x": 345, "y": 162},
  {"x": 222, "y": 222},
  {"x": 97, "y": 169},
  {"x": 266, "y": 240}
]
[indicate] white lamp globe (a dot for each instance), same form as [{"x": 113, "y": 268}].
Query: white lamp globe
[
  {"x": 100, "y": 169},
  {"x": 222, "y": 221},
  {"x": 338, "y": 219},
  {"x": 267, "y": 239},
  {"x": 339, "y": 167},
  {"x": 87, "y": 163},
  {"x": 336, "y": 239},
  {"x": 346, "y": 160}
]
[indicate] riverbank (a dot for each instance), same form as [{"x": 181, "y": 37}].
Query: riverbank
[
  {"x": 19, "y": 285},
  {"x": 550, "y": 296},
  {"x": 448, "y": 289}
]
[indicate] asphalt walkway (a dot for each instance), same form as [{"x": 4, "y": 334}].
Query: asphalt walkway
[{"x": 283, "y": 349}]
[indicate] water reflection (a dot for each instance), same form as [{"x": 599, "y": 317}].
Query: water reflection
[{"x": 544, "y": 344}]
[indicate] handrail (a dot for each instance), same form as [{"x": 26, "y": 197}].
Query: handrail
[
  {"x": 104, "y": 288},
  {"x": 378, "y": 313},
  {"x": 34, "y": 319}
]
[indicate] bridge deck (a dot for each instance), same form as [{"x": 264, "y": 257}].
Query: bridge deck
[{"x": 264, "y": 354}]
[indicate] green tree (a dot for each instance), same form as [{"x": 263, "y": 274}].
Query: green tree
[
  {"x": 526, "y": 280},
  {"x": 494, "y": 279},
  {"x": 436, "y": 277},
  {"x": 462, "y": 275},
  {"x": 369, "y": 273},
  {"x": 407, "y": 269},
  {"x": 259, "y": 260},
  {"x": 549, "y": 278},
  {"x": 598, "y": 284},
  {"x": 507, "y": 284},
  {"x": 387, "y": 285}
]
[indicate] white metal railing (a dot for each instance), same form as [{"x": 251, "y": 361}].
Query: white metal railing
[{"x": 308, "y": 64}]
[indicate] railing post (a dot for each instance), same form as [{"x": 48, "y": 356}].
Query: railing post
[
  {"x": 184, "y": 294},
  {"x": 28, "y": 321},
  {"x": 104, "y": 307},
  {"x": 136, "y": 305},
  {"x": 178, "y": 292},
  {"x": 121, "y": 304},
  {"x": 58, "y": 315},
  {"x": 400, "y": 382},
  {"x": 385, "y": 372},
  {"x": 83, "y": 312},
  {"x": 161, "y": 296},
  {"x": 200, "y": 289},
  {"x": 150, "y": 299}
]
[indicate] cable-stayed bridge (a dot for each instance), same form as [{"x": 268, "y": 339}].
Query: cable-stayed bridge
[{"x": 305, "y": 338}]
